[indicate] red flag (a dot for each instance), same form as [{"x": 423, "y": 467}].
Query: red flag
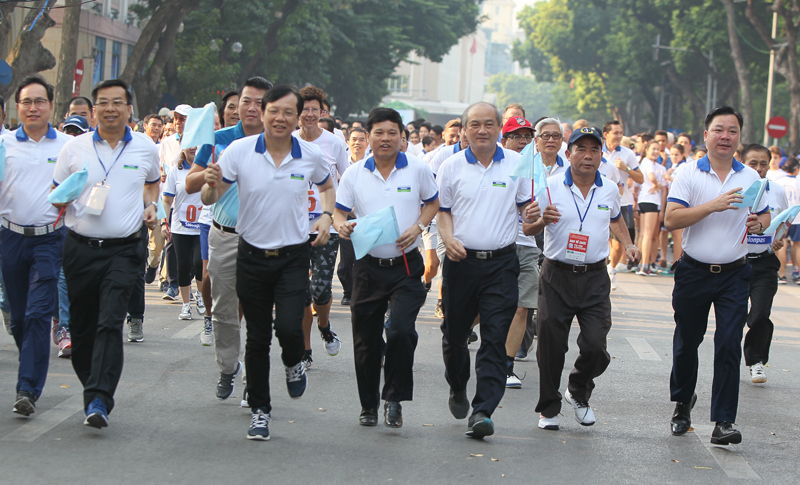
[{"x": 474, "y": 48}]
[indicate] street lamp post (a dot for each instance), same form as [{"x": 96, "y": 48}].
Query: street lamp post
[{"x": 771, "y": 77}]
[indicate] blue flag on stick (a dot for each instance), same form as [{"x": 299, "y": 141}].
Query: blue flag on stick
[
  {"x": 532, "y": 167},
  {"x": 199, "y": 129},
  {"x": 374, "y": 230},
  {"x": 784, "y": 217},
  {"x": 69, "y": 189},
  {"x": 752, "y": 196}
]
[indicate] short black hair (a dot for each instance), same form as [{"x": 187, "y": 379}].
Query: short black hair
[
  {"x": 608, "y": 125},
  {"x": 379, "y": 115},
  {"x": 329, "y": 122},
  {"x": 405, "y": 132},
  {"x": 79, "y": 100},
  {"x": 427, "y": 125},
  {"x": 221, "y": 109},
  {"x": 35, "y": 79},
  {"x": 660, "y": 133},
  {"x": 113, "y": 83},
  {"x": 257, "y": 82},
  {"x": 427, "y": 141},
  {"x": 722, "y": 111},
  {"x": 754, "y": 147},
  {"x": 150, "y": 117},
  {"x": 790, "y": 165},
  {"x": 326, "y": 105},
  {"x": 277, "y": 92},
  {"x": 438, "y": 129},
  {"x": 357, "y": 129},
  {"x": 3, "y": 104}
]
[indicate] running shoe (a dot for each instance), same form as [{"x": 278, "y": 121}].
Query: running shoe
[
  {"x": 207, "y": 335},
  {"x": 186, "y": 311}
]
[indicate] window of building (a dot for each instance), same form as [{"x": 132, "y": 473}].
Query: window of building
[
  {"x": 399, "y": 84},
  {"x": 99, "y": 60},
  {"x": 116, "y": 55}
]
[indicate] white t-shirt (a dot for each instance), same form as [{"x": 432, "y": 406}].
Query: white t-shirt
[
  {"x": 186, "y": 208},
  {"x": 776, "y": 174},
  {"x": 776, "y": 198},
  {"x": 645, "y": 195},
  {"x": 630, "y": 159},
  {"x": 791, "y": 186}
]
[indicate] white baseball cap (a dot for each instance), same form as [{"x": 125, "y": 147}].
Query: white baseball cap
[{"x": 183, "y": 109}]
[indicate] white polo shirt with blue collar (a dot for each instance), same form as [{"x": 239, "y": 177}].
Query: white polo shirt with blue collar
[
  {"x": 776, "y": 198},
  {"x": 629, "y": 158},
  {"x": 28, "y": 177},
  {"x": 273, "y": 201},
  {"x": 559, "y": 167},
  {"x": 718, "y": 238},
  {"x": 125, "y": 169},
  {"x": 598, "y": 209},
  {"x": 443, "y": 154},
  {"x": 364, "y": 191},
  {"x": 484, "y": 201}
]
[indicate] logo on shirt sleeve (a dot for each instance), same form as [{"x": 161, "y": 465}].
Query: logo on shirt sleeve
[
  {"x": 130, "y": 167},
  {"x": 52, "y": 160},
  {"x": 499, "y": 184},
  {"x": 404, "y": 189},
  {"x": 298, "y": 176}
]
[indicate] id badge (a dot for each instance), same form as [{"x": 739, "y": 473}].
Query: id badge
[
  {"x": 97, "y": 199},
  {"x": 577, "y": 245}
]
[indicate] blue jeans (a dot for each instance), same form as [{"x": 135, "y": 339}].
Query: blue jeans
[
  {"x": 63, "y": 302},
  {"x": 5, "y": 307}
]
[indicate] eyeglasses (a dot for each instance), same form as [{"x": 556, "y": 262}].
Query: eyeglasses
[
  {"x": 550, "y": 136},
  {"x": 117, "y": 103},
  {"x": 311, "y": 110},
  {"x": 38, "y": 102},
  {"x": 517, "y": 136},
  {"x": 325, "y": 112}
]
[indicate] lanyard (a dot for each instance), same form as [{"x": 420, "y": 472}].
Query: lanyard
[
  {"x": 101, "y": 160},
  {"x": 582, "y": 218}
]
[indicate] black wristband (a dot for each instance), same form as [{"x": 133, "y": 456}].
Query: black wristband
[{"x": 329, "y": 213}]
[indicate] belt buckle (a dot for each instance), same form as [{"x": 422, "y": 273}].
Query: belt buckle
[
  {"x": 575, "y": 268},
  {"x": 483, "y": 254},
  {"x": 715, "y": 268},
  {"x": 272, "y": 253},
  {"x": 96, "y": 243},
  {"x": 385, "y": 263}
]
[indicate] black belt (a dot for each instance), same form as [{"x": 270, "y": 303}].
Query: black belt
[
  {"x": 473, "y": 253},
  {"x": 714, "y": 268},
  {"x": 389, "y": 262},
  {"x": 271, "y": 253},
  {"x": 96, "y": 242},
  {"x": 231, "y": 230},
  {"x": 764, "y": 254},
  {"x": 578, "y": 268}
]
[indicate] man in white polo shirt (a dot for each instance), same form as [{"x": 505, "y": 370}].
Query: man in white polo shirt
[
  {"x": 272, "y": 174},
  {"x": 103, "y": 252},
  {"x": 713, "y": 270},
  {"x": 30, "y": 239},
  {"x": 478, "y": 217},
  {"x": 585, "y": 209},
  {"x": 388, "y": 178},
  {"x": 761, "y": 256}
]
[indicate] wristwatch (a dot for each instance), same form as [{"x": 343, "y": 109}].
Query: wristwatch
[
  {"x": 421, "y": 227},
  {"x": 151, "y": 203}
]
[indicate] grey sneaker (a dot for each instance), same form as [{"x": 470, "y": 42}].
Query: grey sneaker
[
  {"x": 225, "y": 384},
  {"x": 26, "y": 403},
  {"x": 135, "y": 333}
]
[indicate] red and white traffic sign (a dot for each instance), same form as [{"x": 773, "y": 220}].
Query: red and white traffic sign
[{"x": 777, "y": 127}]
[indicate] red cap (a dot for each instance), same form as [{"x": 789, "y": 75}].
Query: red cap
[{"x": 517, "y": 123}]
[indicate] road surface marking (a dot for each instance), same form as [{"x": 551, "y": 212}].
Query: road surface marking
[
  {"x": 727, "y": 457},
  {"x": 190, "y": 331},
  {"x": 645, "y": 351},
  {"x": 40, "y": 424}
]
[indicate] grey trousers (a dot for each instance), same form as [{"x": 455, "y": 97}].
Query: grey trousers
[{"x": 222, "y": 251}]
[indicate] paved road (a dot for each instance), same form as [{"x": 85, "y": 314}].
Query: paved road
[{"x": 168, "y": 426}]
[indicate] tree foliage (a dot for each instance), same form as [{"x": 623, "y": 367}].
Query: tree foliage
[{"x": 512, "y": 88}]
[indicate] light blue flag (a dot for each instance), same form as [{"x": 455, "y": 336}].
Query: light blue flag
[
  {"x": 786, "y": 216},
  {"x": 2, "y": 160},
  {"x": 160, "y": 212},
  {"x": 374, "y": 230},
  {"x": 199, "y": 128},
  {"x": 752, "y": 196},
  {"x": 69, "y": 189},
  {"x": 532, "y": 167}
]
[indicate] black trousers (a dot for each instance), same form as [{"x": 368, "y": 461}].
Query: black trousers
[
  {"x": 763, "y": 287},
  {"x": 262, "y": 283},
  {"x": 564, "y": 295},
  {"x": 374, "y": 287},
  {"x": 485, "y": 287},
  {"x": 347, "y": 257},
  {"x": 694, "y": 292},
  {"x": 136, "y": 302},
  {"x": 99, "y": 285},
  {"x": 187, "y": 257}
]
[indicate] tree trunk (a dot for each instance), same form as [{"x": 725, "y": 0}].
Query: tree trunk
[
  {"x": 28, "y": 55},
  {"x": 742, "y": 74},
  {"x": 6, "y": 9},
  {"x": 67, "y": 58}
]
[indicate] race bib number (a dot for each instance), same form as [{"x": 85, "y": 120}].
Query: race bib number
[
  {"x": 314, "y": 204},
  {"x": 189, "y": 214},
  {"x": 577, "y": 244}
]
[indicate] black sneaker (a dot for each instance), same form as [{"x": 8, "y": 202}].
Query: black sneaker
[
  {"x": 296, "y": 381},
  {"x": 25, "y": 404},
  {"x": 307, "y": 360},
  {"x": 259, "y": 425},
  {"x": 150, "y": 275},
  {"x": 725, "y": 434},
  {"x": 225, "y": 384},
  {"x": 479, "y": 425},
  {"x": 428, "y": 286},
  {"x": 473, "y": 337},
  {"x": 345, "y": 300}
]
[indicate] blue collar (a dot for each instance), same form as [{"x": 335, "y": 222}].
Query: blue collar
[
  {"x": 598, "y": 179},
  {"x": 559, "y": 161},
  {"x": 603, "y": 159},
  {"x": 127, "y": 138},
  {"x": 705, "y": 165},
  {"x": 186, "y": 164},
  {"x": 400, "y": 162},
  {"x": 22, "y": 136},
  {"x": 618, "y": 149},
  {"x": 498, "y": 155},
  {"x": 261, "y": 145},
  {"x": 457, "y": 147},
  {"x": 238, "y": 131}
]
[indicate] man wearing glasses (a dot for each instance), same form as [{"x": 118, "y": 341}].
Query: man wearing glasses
[{"x": 517, "y": 133}]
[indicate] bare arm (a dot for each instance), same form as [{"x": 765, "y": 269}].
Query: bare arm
[
  {"x": 427, "y": 213},
  {"x": 620, "y": 230},
  {"x": 327, "y": 197},
  {"x": 195, "y": 179},
  {"x": 214, "y": 187},
  {"x": 444, "y": 223},
  {"x": 150, "y": 197},
  {"x": 165, "y": 229}
]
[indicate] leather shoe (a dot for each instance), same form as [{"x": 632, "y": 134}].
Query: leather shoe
[
  {"x": 368, "y": 417},
  {"x": 725, "y": 434},
  {"x": 459, "y": 405},
  {"x": 682, "y": 417},
  {"x": 393, "y": 414}
]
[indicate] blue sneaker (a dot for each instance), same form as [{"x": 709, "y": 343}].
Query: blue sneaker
[
  {"x": 96, "y": 414},
  {"x": 172, "y": 294},
  {"x": 296, "y": 379}
]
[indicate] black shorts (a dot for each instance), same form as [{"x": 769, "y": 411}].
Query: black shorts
[{"x": 648, "y": 207}]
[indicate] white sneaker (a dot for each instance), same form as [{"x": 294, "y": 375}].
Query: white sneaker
[
  {"x": 513, "y": 381},
  {"x": 332, "y": 342},
  {"x": 758, "y": 373},
  {"x": 207, "y": 335},
  {"x": 201, "y": 307},
  {"x": 548, "y": 423},
  {"x": 583, "y": 412},
  {"x": 612, "y": 273},
  {"x": 186, "y": 312}
]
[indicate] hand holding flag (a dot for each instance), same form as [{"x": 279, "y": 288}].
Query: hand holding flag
[
  {"x": 69, "y": 190},
  {"x": 375, "y": 230},
  {"x": 199, "y": 128},
  {"x": 532, "y": 167}
]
